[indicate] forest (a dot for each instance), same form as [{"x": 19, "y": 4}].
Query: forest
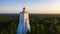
[
  {"x": 45, "y": 25},
  {"x": 39, "y": 25}
]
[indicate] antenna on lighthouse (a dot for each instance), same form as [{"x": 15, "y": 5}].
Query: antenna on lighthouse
[{"x": 24, "y": 10}]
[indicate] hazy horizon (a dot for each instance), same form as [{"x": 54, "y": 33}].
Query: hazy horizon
[{"x": 32, "y": 6}]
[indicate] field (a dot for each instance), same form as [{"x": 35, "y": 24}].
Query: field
[{"x": 40, "y": 23}]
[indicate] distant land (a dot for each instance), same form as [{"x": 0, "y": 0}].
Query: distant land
[
  {"x": 31, "y": 15},
  {"x": 13, "y": 16}
]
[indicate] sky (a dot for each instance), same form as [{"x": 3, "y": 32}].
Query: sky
[{"x": 32, "y": 6}]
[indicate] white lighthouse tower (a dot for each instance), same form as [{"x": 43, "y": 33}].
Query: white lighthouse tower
[{"x": 24, "y": 25}]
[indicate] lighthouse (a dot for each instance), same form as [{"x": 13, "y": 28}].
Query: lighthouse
[{"x": 23, "y": 26}]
